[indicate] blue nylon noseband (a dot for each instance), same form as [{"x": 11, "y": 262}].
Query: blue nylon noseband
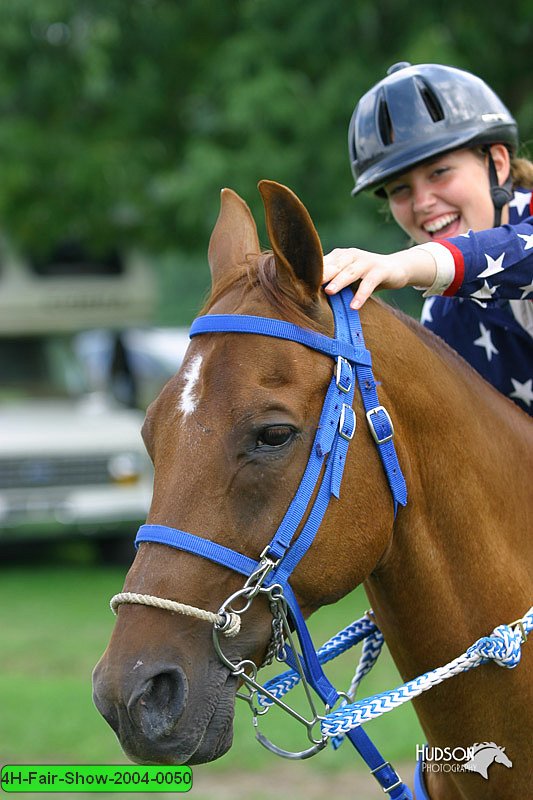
[{"x": 326, "y": 464}]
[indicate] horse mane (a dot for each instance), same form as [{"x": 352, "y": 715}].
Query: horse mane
[
  {"x": 289, "y": 300},
  {"x": 288, "y": 297},
  {"x": 483, "y": 745}
]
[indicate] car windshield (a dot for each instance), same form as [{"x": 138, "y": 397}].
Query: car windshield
[{"x": 39, "y": 367}]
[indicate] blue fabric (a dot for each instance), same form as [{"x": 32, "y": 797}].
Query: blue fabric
[
  {"x": 369, "y": 395},
  {"x": 479, "y": 321},
  {"x": 181, "y": 540},
  {"x": 384, "y": 772},
  {"x": 419, "y": 782},
  {"x": 277, "y": 328},
  {"x": 326, "y": 436}
]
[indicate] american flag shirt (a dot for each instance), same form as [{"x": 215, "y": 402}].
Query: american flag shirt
[{"x": 486, "y": 313}]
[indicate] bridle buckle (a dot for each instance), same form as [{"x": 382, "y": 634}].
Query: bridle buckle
[
  {"x": 371, "y": 418},
  {"x": 347, "y": 422},
  {"x": 343, "y": 375}
]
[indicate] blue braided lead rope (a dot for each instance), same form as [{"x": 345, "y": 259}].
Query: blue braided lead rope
[
  {"x": 503, "y": 646},
  {"x": 372, "y": 647}
]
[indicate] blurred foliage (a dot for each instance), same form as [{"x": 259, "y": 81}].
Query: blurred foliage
[{"x": 122, "y": 120}]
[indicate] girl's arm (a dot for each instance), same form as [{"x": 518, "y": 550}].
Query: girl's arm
[{"x": 484, "y": 265}]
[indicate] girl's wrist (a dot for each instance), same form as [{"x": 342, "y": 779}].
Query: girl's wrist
[{"x": 442, "y": 272}]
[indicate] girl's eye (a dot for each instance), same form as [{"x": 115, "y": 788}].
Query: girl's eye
[
  {"x": 275, "y": 436},
  {"x": 397, "y": 191},
  {"x": 440, "y": 171}
]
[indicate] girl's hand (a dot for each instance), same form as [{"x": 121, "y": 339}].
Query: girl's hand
[{"x": 343, "y": 266}]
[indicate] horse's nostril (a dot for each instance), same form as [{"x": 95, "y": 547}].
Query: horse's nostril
[
  {"x": 166, "y": 691},
  {"x": 161, "y": 703}
]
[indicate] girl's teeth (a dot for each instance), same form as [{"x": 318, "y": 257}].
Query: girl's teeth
[{"x": 439, "y": 224}]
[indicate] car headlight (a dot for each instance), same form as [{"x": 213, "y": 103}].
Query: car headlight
[{"x": 124, "y": 468}]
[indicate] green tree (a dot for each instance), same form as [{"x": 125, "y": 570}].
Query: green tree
[{"x": 122, "y": 120}]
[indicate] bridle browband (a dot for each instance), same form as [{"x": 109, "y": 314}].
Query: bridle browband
[{"x": 270, "y": 574}]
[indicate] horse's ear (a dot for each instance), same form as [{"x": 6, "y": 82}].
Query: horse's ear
[
  {"x": 293, "y": 237},
  {"x": 234, "y": 236}
]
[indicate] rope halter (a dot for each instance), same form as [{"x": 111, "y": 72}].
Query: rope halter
[{"x": 227, "y": 623}]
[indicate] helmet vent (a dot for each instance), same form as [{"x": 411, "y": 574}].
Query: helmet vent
[
  {"x": 430, "y": 100},
  {"x": 386, "y": 131}
]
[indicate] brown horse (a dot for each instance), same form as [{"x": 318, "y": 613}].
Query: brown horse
[{"x": 229, "y": 437}]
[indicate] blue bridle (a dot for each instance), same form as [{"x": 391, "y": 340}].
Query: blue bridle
[{"x": 326, "y": 464}]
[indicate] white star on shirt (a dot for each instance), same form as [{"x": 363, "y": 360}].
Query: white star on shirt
[
  {"x": 527, "y": 239},
  {"x": 526, "y": 290},
  {"x": 520, "y": 201},
  {"x": 486, "y": 342},
  {"x": 493, "y": 266},
  {"x": 523, "y": 391},
  {"x": 485, "y": 293},
  {"x": 426, "y": 311}
]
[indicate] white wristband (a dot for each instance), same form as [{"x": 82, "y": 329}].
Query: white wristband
[{"x": 445, "y": 268}]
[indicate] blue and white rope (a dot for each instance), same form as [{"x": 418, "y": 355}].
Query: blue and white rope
[
  {"x": 372, "y": 647},
  {"x": 371, "y": 651},
  {"x": 503, "y": 646}
]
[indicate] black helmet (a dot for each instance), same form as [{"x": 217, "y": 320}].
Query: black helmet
[{"x": 418, "y": 112}]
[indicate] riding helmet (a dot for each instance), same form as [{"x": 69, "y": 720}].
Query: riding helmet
[{"x": 420, "y": 111}]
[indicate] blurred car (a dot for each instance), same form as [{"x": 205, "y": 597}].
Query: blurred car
[
  {"x": 133, "y": 364},
  {"x": 71, "y": 460}
]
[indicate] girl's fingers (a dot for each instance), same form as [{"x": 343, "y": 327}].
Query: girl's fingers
[
  {"x": 337, "y": 261},
  {"x": 342, "y": 276},
  {"x": 366, "y": 287}
]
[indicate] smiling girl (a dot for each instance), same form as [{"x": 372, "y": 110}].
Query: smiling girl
[{"x": 440, "y": 145}]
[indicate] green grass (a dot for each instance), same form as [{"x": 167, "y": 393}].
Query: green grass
[{"x": 55, "y": 624}]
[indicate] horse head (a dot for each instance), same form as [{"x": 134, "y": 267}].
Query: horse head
[
  {"x": 230, "y": 436},
  {"x": 485, "y": 754},
  {"x": 502, "y": 758}
]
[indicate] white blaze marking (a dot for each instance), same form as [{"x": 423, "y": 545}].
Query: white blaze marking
[{"x": 188, "y": 399}]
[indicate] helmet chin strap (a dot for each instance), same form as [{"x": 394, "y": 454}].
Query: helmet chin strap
[{"x": 500, "y": 195}]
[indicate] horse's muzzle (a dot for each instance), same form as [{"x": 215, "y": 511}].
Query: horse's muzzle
[
  {"x": 144, "y": 710},
  {"x": 151, "y": 712}
]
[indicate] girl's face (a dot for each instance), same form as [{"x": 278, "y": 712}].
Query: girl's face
[{"x": 447, "y": 196}]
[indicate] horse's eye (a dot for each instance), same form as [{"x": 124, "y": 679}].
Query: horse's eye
[{"x": 275, "y": 436}]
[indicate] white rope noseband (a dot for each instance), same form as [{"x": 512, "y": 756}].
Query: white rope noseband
[{"x": 229, "y": 624}]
